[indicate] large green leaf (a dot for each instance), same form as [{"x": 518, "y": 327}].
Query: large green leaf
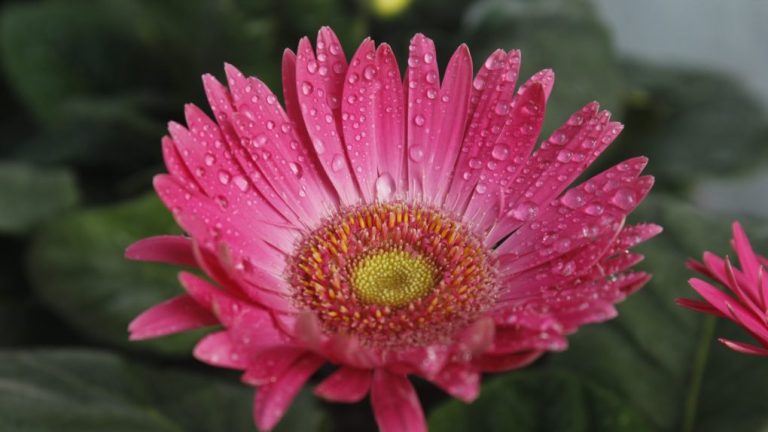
[
  {"x": 92, "y": 391},
  {"x": 692, "y": 124},
  {"x": 542, "y": 400},
  {"x": 103, "y": 77},
  {"x": 77, "y": 268},
  {"x": 564, "y": 35},
  {"x": 29, "y": 195}
]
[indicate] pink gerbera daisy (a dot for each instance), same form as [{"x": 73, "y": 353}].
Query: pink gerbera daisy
[
  {"x": 749, "y": 308},
  {"x": 389, "y": 227}
]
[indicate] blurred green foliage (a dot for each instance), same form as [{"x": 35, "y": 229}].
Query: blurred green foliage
[{"x": 86, "y": 88}]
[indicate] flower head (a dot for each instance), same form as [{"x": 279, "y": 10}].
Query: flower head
[
  {"x": 748, "y": 304},
  {"x": 389, "y": 227}
]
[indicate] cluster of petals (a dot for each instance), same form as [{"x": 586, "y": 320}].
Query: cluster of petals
[
  {"x": 248, "y": 185},
  {"x": 747, "y": 303}
]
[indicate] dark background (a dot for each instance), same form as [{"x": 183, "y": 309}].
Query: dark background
[{"x": 87, "y": 86}]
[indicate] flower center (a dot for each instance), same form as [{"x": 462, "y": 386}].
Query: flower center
[
  {"x": 393, "y": 275},
  {"x": 393, "y": 278}
]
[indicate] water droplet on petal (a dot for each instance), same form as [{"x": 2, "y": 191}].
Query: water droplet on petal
[
  {"x": 306, "y": 88},
  {"x": 295, "y": 169},
  {"x": 337, "y": 163},
  {"x": 416, "y": 153},
  {"x": 475, "y": 163},
  {"x": 574, "y": 198},
  {"x": 481, "y": 188},
  {"x": 224, "y": 177},
  {"x": 500, "y": 152},
  {"x": 369, "y": 73},
  {"x": 418, "y": 120},
  {"x": 385, "y": 186},
  {"x": 524, "y": 211},
  {"x": 624, "y": 199}
]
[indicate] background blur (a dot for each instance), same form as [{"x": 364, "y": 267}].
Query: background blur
[{"x": 87, "y": 86}]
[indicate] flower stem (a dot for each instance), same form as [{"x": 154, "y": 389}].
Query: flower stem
[{"x": 697, "y": 374}]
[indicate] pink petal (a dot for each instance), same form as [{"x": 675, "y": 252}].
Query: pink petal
[
  {"x": 699, "y": 306},
  {"x": 395, "y": 403},
  {"x": 166, "y": 249},
  {"x": 502, "y": 159},
  {"x": 176, "y": 315},
  {"x": 268, "y": 365},
  {"x": 254, "y": 185},
  {"x": 744, "y": 348},
  {"x": 731, "y": 308},
  {"x": 608, "y": 196},
  {"x": 272, "y": 400},
  {"x": 450, "y": 122},
  {"x": 477, "y": 337},
  {"x": 176, "y": 167},
  {"x": 389, "y": 127},
  {"x": 632, "y": 235},
  {"x": 747, "y": 256},
  {"x": 459, "y": 381},
  {"x": 217, "y": 349},
  {"x": 422, "y": 64},
  {"x": 358, "y": 103},
  {"x": 320, "y": 101},
  {"x": 210, "y": 225},
  {"x": 346, "y": 385},
  {"x": 493, "y": 90},
  {"x": 255, "y": 330}
]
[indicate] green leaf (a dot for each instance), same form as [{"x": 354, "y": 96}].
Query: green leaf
[
  {"x": 563, "y": 35},
  {"x": 543, "y": 400},
  {"x": 77, "y": 268},
  {"x": 692, "y": 124},
  {"x": 92, "y": 391},
  {"x": 663, "y": 359},
  {"x": 30, "y": 195}
]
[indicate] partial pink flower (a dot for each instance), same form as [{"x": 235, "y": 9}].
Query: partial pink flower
[
  {"x": 747, "y": 304},
  {"x": 389, "y": 227}
]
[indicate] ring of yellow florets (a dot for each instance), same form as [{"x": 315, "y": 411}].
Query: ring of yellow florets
[{"x": 393, "y": 274}]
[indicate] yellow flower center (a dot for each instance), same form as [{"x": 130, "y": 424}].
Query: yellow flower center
[{"x": 393, "y": 278}]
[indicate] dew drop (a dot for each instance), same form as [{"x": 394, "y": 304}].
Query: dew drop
[
  {"x": 296, "y": 169},
  {"x": 624, "y": 198},
  {"x": 224, "y": 177},
  {"x": 524, "y": 211},
  {"x": 209, "y": 159},
  {"x": 428, "y": 58},
  {"x": 594, "y": 210},
  {"x": 564, "y": 156},
  {"x": 500, "y": 152},
  {"x": 481, "y": 188},
  {"x": 369, "y": 73},
  {"x": 475, "y": 163},
  {"x": 312, "y": 67},
  {"x": 240, "y": 182},
  {"x": 574, "y": 198},
  {"x": 385, "y": 186},
  {"x": 306, "y": 88},
  {"x": 337, "y": 163},
  {"x": 319, "y": 146},
  {"x": 416, "y": 153},
  {"x": 418, "y": 120}
]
